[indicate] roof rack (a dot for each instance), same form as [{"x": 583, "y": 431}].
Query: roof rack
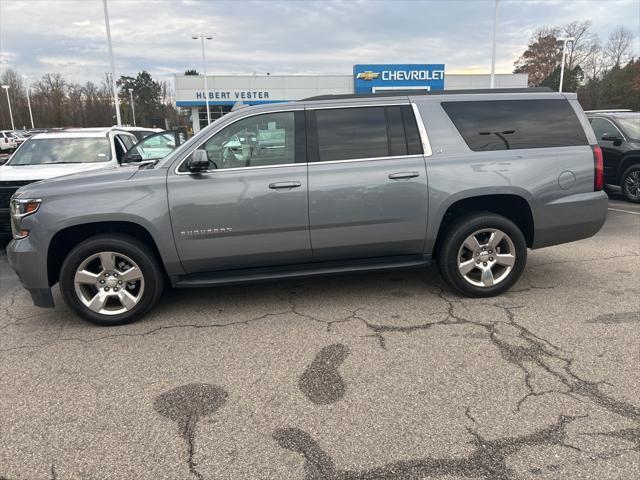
[
  {"x": 610, "y": 110},
  {"x": 399, "y": 93}
]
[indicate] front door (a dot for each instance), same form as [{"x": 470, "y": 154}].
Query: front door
[
  {"x": 250, "y": 209},
  {"x": 611, "y": 149},
  {"x": 368, "y": 194}
]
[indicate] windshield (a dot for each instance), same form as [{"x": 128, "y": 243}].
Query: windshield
[
  {"x": 50, "y": 151},
  {"x": 630, "y": 125}
]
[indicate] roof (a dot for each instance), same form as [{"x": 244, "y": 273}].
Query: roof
[
  {"x": 94, "y": 132},
  {"x": 414, "y": 93},
  {"x": 615, "y": 114}
]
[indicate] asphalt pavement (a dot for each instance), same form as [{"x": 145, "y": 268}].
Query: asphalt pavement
[{"x": 387, "y": 376}]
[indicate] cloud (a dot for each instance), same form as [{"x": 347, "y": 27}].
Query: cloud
[{"x": 68, "y": 36}]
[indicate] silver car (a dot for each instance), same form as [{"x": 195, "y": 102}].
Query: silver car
[{"x": 329, "y": 185}]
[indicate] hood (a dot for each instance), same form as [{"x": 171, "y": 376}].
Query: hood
[
  {"x": 10, "y": 173},
  {"x": 83, "y": 181}
]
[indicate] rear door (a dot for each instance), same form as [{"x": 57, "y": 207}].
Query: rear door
[
  {"x": 250, "y": 209},
  {"x": 368, "y": 190}
]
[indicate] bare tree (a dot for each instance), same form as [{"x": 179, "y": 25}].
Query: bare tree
[
  {"x": 619, "y": 46},
  {"x": 584, "y": 44}
]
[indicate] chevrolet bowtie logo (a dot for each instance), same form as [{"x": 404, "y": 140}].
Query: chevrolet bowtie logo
[{"x": 368, "y": 75}]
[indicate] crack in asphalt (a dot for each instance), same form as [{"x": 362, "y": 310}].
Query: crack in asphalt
[
  {"x": 631, "y": 435},
  {"x": 488, "y": 459},
  {"x": 523, "y": 349},
  {"x": 185, "y": 405}
]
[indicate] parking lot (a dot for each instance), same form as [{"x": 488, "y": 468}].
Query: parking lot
[{"x": 386, "y": 375}]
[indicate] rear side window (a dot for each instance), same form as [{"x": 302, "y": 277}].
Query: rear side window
[
  {"x": 362, "y": 132},
  {"x": 516, "y": 124}
]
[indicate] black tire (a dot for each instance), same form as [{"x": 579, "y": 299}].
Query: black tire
[
  {"x": 138, "y": 252},
  {"x": 630, "y": 188},
  {"x": 454, "y": 238}
]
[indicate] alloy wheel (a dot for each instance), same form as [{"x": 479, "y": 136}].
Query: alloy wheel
[
  {"x": 109, "y": 283},
  {"x": 486, "y": 257},
  {"x": 632, "y": 184}
]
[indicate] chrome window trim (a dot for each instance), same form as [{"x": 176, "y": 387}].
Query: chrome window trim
[
  {"x": 614, "y": 126},
  {"x": 426, "y": 145},
  {"x": 236, "y": 169},
  {"x": 350, "y": 160},
  {"x": 215, "y": 132}
]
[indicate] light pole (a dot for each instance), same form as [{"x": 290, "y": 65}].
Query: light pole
[
  {"x": 29, "y": 101},
  {"x": 564, "y": 55},
  {"x": 6, "y": 89},
  {"x": 202, "y": 37},
  {"x": 493, "y": 46},
  {"x": 113, "y": 67},
  {"x": 133, "y": 109}
]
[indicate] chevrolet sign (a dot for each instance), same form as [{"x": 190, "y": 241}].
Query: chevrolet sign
[
  {"x": 372, "y": 78},
  {"x": 368, "y": 75}
]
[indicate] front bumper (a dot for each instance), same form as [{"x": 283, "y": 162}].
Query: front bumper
[{"x": 31, "y": 270}]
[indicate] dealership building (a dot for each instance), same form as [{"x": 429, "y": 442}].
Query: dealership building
[{"x": 225, "y": 91}]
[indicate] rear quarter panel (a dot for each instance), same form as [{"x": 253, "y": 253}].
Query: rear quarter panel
[{"x": 560, "y": 213}]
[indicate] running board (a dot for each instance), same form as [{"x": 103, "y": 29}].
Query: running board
[{"x": 230, "y": 277}]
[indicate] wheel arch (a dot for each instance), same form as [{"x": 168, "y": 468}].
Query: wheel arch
[
  {"x": 625, "y": 163},
  {"x": 512, "y": 204},
  {"x": 67, "y": 238}
]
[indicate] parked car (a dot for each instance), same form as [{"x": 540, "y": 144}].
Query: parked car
[
  {"x": 8, "y": 142},
  {"x": 154, "y": 146},
  {"x": 339, "y": 184},
  {"x": 48, "y": 155},
  {"x": 618, "y": 134}
]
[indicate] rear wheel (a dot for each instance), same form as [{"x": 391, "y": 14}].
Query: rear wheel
[
  {"x": 482, "y": 255},
  {"x": 630, "y": 184},
  {"x": 111, "y": 279}
]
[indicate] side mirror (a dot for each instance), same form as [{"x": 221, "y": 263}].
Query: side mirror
[
  {"x": 132, "y": 157},
  {"x": 198, "y": 161},
  {"x": 611, "y": 137}
]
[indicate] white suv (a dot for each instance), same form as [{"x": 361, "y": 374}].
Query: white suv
[{"x": 49, "y": 155}]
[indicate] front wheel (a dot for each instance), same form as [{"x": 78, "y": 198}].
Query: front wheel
[
  {"x": 482, "y": 255},
  {"x": 111, "y": 279},
  {"x": 630, "y": 183}
]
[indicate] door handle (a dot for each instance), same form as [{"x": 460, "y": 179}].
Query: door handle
[
  {"x": 284, "y": 185},
  {"x": 403, "y": 175}
]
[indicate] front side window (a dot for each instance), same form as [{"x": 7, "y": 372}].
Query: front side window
[
  {"x": 47, "y": 151},
  {"x": 602, "y": 127},
  {"x": 516, "y": 124},
  {"x": 256, "y": 141}
]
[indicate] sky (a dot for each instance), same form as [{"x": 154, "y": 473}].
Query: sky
[{"x": 282, "y": 37}]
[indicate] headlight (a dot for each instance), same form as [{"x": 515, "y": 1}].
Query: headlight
[{"x": 21, "y": 208}]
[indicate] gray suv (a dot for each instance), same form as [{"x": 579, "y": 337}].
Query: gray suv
[{"x": 470, "y": 179}]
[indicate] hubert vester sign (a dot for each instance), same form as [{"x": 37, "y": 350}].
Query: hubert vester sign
[
  {"x": 373, "y": 78},
  {"x": 235, "y": 95}
]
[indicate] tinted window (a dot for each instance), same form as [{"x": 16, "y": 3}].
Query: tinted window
[
  {"x": 350, "y": 133},
  {"x": 602, "y": 126},
  {"x": 414, "y": 143},
  {"x": 516, "y": 124},
  {"x": 259, "y": 140},
  {"x": 43, "y": 151}
]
